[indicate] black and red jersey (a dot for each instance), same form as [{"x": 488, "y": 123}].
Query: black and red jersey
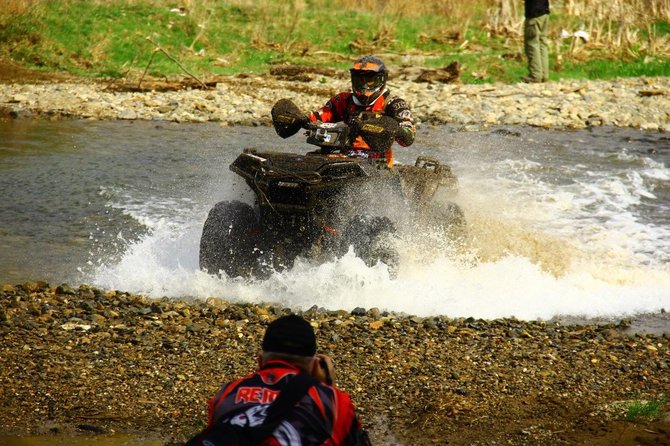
[
  {"x": 324, "y": 416},
  {"x": 344, "y": 107}
]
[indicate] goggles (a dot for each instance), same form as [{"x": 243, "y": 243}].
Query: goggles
[{"x": 364, "y": 81}]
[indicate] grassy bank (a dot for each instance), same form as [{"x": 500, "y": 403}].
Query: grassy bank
[{"x": 105, "y": 38}]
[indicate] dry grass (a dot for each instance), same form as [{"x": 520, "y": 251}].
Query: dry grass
[
  {"x": 615, "y": 26},
  {"x": 636, "y": 11},
  {"x": 626, "y": 11},
  {"x": 618, "y": 27},
  {"x": 454, "y": 9},
  {"x": 14, "y": 7}
]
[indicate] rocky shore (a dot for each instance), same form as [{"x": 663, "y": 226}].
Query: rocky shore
[
  {"x": 94, "y": 362},
  {"x": 642, "y": 103}
]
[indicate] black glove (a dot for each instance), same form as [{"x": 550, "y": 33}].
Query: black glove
[
  {"x": 287, "y": 118},
  {"x": 377, "y": 130}
]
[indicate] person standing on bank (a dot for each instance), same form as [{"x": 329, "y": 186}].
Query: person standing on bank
[{"x": 535, "y": 40}]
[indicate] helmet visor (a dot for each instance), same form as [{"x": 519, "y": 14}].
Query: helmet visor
[{"x": 366, "y": 81}]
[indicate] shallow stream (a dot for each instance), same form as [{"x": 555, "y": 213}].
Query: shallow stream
[{"x": 561, "y": 223}]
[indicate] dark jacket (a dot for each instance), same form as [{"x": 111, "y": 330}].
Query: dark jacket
[
  {"x": 536, "y": 8},
  {"x": 324, "y": 416}
]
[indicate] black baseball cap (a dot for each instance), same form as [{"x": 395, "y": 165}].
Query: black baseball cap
[{"x": 290, "y": 334}]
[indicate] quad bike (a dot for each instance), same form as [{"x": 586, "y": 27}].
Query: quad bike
[{"x": 320, "y": 204}]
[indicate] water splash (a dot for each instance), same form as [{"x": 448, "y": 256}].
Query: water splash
[
  {"x": 503, "y": 271},
  {"x": 548, "y": 235}
]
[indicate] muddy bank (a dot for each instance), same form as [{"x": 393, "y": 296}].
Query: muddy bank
[{"x": 94, "y": 362}]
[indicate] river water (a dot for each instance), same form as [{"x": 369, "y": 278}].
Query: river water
[{"x": 560, "y": 223}]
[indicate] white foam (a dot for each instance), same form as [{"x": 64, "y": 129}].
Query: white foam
[{"x": 165, "y": 265}]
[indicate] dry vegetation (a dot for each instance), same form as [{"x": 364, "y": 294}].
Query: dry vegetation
[
  {"x": 630, "y": 12},
  {"x": 613, "y": 25},
  {"x": 617, "y": 25},
  {"x": 616, "y": 29}
]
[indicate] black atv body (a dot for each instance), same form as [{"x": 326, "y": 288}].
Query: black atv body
[{"x": 317, "y": 206}]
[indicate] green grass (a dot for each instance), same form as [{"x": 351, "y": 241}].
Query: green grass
[
  {"x": 117, "y": 38},
  {"x": 646, "y": 409},
  {"x": 607, "y": 69}
]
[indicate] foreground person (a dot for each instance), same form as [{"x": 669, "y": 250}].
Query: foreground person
[{"x": 289, "y": 401}]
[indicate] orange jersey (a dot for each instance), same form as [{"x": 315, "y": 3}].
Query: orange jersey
[{"x": 343, "y": 107}]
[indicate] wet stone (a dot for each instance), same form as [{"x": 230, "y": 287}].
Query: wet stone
[
  {"x": 64, "y": 289},
  {"x": 358, "y": 311}
]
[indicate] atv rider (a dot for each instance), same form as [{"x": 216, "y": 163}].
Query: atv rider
[
  {"x": 369, "y": 94},
  {"x": 376, "y": 118}
]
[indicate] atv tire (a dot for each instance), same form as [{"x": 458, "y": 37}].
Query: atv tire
[
  {"x": 227, "y": 242},
  {"x": 447, "y": 217},
  {"x": 373, "y": 240}
]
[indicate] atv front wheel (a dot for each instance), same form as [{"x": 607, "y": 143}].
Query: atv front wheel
[
  {"x": 373, "y": 240},
  {"x": 448, "y": 218},
  {"x": 227, "y": 242}
]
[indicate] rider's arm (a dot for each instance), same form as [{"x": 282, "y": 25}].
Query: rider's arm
[
  {"x": 332, "y": 111},
  {"x": 399, "y": 109}
]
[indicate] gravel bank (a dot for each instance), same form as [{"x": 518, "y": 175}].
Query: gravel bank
[
  {"x": 95, "y": 361},
  {"x": 642, "y": 103}
]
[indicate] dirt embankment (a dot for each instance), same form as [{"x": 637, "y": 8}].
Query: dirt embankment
[{"x": 89, "y": 360}]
